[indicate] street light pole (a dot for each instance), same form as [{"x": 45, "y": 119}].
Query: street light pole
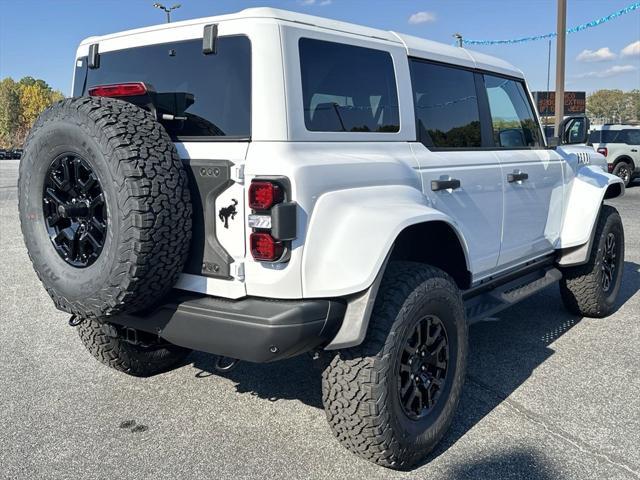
[
  {"x": 560, "y": 62},
  {"x": 167, "y": 10}
]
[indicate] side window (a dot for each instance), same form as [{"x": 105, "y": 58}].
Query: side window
[
  {"x": 513, "y": 120},
  {"x": 630, "y": 136},
  {"x": 347, "y": 88},
  {"x": 446, "y": 106}
]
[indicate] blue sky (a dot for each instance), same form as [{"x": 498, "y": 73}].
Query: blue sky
[{"x": 39, "y": 37}]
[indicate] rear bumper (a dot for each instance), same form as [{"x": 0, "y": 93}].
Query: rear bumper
[{"x": 251, "y": 329}]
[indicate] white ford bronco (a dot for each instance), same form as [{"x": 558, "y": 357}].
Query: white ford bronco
[{"x": 264, "y": 184}]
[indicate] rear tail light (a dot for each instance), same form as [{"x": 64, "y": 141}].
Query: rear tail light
[
  {"x": 273, "y": 220},
  {"x": 264, "y": 195},
  {"x": 119, "y": 90},
  {"x": 603, "y": 151},
  {"x": 265, "y": 248}
]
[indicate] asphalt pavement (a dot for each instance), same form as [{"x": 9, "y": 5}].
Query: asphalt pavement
[{"x": 548, "y": 396}]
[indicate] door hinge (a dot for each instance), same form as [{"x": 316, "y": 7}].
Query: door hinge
[
  {"x": 237, "y": 271},
  {"x": 237, "y": 173}
]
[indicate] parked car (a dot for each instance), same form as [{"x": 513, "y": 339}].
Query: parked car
[
  {"x": 263, "y": 184},
  {"x": 16, "y": 153},
  {"x": 620, "y": 144},
  {"x": 3, "y": 154}
]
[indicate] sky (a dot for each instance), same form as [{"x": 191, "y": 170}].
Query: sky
[{"x": 39, "y": 37}]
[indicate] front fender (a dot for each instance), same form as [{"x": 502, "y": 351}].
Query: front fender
[
  {"x": 585, "y": 195},
  {"x": 351, "y": 232}
]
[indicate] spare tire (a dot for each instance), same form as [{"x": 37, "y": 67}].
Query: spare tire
[{"x": 104, "y": 206}]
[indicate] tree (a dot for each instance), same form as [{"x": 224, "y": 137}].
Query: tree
[
  {"x": 9, "y": 112},
  {"x": 613, "y": 105},
  {"x": 20, "y": 104}
]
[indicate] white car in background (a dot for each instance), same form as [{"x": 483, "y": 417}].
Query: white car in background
[{"x": 620, "y": 144}]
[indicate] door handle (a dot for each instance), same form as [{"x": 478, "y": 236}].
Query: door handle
[
  {"x": 451, "y": 183},
  {"x": 634, "y": 149},
  {"x": 517, "y": 177}
]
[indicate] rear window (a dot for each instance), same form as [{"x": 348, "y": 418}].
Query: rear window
[
  {"x": 628, "y": 136},
  {"x": 215, "y": 89},
  {"x": 347, "y": 88}
]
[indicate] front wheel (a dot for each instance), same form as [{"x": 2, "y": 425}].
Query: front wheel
[
  {"x": 590, "y": 290},
  {"x": 392, "y": 398}
]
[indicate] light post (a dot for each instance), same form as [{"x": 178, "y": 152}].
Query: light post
[{"x": 167, "y": 10}]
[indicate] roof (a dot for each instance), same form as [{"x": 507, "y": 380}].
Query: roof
[{"x": 415, "y": 46}]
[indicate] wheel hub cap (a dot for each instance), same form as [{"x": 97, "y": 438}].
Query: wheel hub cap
[
  {"x": 74, "y": 210},
  {"x": 423, "y": 368}
]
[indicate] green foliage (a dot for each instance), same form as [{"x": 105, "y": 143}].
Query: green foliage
[
  {"x": 614, "y": 105},
  {"x": 20, "y": 104}
]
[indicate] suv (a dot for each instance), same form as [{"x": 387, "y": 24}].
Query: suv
[
  {"x": 620, "y": 144},
  {"x": 264, "y": 184}
]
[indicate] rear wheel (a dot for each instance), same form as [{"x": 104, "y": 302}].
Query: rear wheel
[
  {"x": 137, "y": 354},
  {"x": 591, "y": 289},
  {"x": 392, "y": 398},
  {"x": 624, "y": 171}
]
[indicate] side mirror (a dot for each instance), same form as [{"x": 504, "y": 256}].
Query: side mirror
[{"x": 574, "y": 130}]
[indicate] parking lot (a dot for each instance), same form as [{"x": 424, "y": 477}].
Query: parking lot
[{"x": 548, "y": 396}]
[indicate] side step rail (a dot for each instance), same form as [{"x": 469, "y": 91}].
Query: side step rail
[{"x": 489, "y": 303}]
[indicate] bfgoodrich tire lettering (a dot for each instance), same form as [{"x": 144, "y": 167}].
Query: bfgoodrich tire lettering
[
  {"x": 584, "y": 289},
  {"x": 360, "y": 385},
  {"x": 147, "y": 202}
]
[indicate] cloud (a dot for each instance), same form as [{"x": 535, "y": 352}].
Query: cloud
[
  {"x": 422, "y": 17},
  {"x": 601, "y": 55},
  {"x": 609, "y": 72},
  {"x": 320, "y": 3},
  {"x": 631, "y": 50}
]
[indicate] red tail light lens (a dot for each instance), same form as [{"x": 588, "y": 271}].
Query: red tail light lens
[
  {"x": 265, "y": 248},
  {"x": 119, "y": 90},
  {"x": 264, "y": 195},
  {"x": 603, "y": 151}
]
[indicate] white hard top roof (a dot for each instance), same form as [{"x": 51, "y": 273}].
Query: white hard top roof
[{"x": 416, "y": 47}]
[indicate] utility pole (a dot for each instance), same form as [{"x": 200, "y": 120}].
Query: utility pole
[
  {"x": 560, "y": 61},
  {"x": 167, "y": 10}
]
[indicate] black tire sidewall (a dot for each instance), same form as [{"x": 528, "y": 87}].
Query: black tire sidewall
[
  {"x": 422, "y": 435},
  {"x": 67, "y": 282},
  {"x": 612, "y": 224},
  {"x": 622, "y": 165}
]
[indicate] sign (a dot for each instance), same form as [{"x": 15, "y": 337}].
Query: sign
[{"x": 574, "y": 103}]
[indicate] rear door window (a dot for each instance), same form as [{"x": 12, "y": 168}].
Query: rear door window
[
  {"x": 630, "y": 136},
  {"x": 210, "y": 93},
  {"x": 446, "y": 106},
  {"x": 512, "y": 117},
  {"x": 347, "y": 88}
]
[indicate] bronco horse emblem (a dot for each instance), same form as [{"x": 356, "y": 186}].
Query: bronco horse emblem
[{"x": 227, "y": 212}]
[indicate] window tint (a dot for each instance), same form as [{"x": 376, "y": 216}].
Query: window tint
[
  {"x": 446, "y": 106},
  {"x": 347, "y": 88},
  {"x": 212, "y": 93},
  {"x": 514, "y": 123},
  {"x": 630, "y": 136}
]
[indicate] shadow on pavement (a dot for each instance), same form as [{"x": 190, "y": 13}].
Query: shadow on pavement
[
  {"x": 503, "y": 354},
  {"x": 515, "y": 464}
]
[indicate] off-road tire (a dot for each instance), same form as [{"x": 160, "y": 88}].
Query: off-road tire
[
  {"x": 581, "y": 286},
  {"x": 146, "y": 195},
  {"x": 360, "y": 389},
  {"x": 624, "y": 171},
  {"x": 105, "y": 342}
]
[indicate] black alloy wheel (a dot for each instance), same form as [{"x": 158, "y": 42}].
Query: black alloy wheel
[
  {"x": 423, "y": 368},
  {"x": 609, "y": 271},
  {"x": 75, "y": 210}
]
